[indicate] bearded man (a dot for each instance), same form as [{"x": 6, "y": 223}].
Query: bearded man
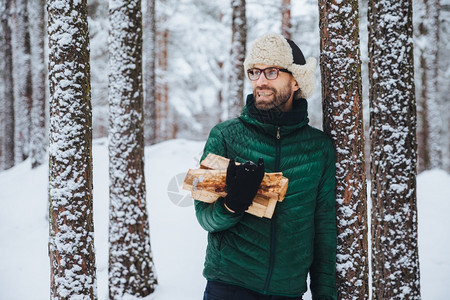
[{"x": 258, "y": 258}]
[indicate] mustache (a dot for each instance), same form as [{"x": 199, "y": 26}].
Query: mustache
[{"x": 265, "y": 88}]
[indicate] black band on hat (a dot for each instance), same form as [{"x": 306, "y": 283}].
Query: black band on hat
[{"x": 299, "y": 59}]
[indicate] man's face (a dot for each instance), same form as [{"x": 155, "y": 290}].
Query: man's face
[{"x": 274, "y": 94}]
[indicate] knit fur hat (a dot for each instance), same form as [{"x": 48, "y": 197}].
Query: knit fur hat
[{"x": 273, "y": 49}]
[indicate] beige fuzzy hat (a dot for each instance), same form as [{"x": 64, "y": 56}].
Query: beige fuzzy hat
[{"x": 273, "y": 49}]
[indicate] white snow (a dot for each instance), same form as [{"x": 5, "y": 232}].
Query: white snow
[{"x": 178, "y": 242}]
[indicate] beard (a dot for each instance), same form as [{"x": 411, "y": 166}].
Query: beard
[{"x": 277, "y": 100}]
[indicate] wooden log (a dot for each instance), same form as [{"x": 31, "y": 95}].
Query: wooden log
[
  {"x": 257, "y": 209},
  {"x": 273, "y": 185},
  {"x": 270, "y": 208},
  {"x": 207, "y": 184},
  {"x": 214, "y": 162}
]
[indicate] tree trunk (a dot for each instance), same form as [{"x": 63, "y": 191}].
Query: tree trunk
[
  {"x": 444, "y": 78},
  {"x": 343, "y": 121},
  {"x": 423, "y": 149},
  {"x": 71, "y": 244},
  {"x": 238, "y": 48},
  {"x": 162, "y": 90},
  {"x": 395, "y": 271},
  {"x": 286, "y": 28},
  {"x": 131, "y": 269},
  {"x": 220, "y": 91},
  {"x": 7, "y": 152},
  {"x": 22, "y": 80},
  {"x": 430, "y": 150},
  {"x": 38, "y": 133},
  {"x": 149, "y": 49}
]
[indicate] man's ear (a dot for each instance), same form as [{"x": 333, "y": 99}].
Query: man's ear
[{"x": 295, "y": 86}]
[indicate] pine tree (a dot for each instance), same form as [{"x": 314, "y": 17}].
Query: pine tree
[
  {"x": 238, "y": 48},
  {"x": 149, "y": 51},
  {"x": 343, "y": 121},
  {"x": 22, "y": 79},
  {"x": 444, "y": 78},
  {"x": 7, "y": 112},
  {"x": 131, "y": 269},
  {"x": 38, "y": 132},
  {"x": 162, "y": 82},
  {"x": 71, "y": 244},
  {"x": 286, "y": 27},
  {"x": 395, "y": 271},
  {"x": 429, "y": 132}
]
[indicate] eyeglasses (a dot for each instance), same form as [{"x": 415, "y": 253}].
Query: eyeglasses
[{"x": 271, "y": 73}]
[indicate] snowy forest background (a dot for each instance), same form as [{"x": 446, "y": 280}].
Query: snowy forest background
[
  {"x": 193, "y": 66},
  {"x": 196, "y": 48}
]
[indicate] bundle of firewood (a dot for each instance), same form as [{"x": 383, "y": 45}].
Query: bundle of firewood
[{"x": 207, "y": 184}]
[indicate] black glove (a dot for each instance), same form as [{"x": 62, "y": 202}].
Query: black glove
[{"x": 242, "y": 184}]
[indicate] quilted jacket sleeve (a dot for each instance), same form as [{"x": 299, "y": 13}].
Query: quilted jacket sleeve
[
  {"x": 323, "y": 269},
  {"x": 215, "y": 217}
]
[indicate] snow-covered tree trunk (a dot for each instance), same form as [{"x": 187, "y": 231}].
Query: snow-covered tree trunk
[
  {"x": 22, "y": 79},
  {"x": 2, "y": 92},
  {"x": 7, "y": 112},
  {"x": 71, "y": 244},
  {"x": 430, "y": 127},
  {"x": 38, "y": 133},
  {"x": 343, "y": 120},
  {"x": 149, "y": 51},
  {"x": 286, "y": 27},
  {"x": 238, "y": 48},
  {"x": 444, "y": 78},
  {"x": 395, "y": 261},
  {"x": 131, "y": 269}
]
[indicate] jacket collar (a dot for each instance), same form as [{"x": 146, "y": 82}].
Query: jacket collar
[
  {"x": 298, "y": 116},
  {"x": 275, "y": 123}
]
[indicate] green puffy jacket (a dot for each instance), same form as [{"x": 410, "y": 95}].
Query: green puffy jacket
[{"x": 274, "y": 256}]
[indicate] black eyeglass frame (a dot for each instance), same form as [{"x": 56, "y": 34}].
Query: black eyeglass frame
[{"x": 265, "y": 74}]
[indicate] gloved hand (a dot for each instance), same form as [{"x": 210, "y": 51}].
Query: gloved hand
[{"x": 242, "y": 183}]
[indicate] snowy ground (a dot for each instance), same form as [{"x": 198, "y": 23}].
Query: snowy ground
[{"x": 178, "y": 242}]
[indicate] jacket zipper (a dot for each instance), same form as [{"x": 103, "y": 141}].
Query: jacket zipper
[
  {"x": 278, "y": 151},
  {"x": 273, "y": 220}
]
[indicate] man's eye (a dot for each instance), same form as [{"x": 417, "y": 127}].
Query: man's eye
[{"x": 272, "y": 72}]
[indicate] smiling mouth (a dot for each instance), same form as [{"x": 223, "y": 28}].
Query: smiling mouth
[{"x": 261, "y": 94}]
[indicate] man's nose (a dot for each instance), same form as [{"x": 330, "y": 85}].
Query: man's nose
[{"x": 262, "y": 80}]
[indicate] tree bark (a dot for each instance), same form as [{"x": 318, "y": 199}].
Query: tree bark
[
  {"x": 238, "y": 48},
  {"x": 71, "y": 244},
  {"x": 131, "y": 269},
  {"x": 38, "y": 131},
  {"x": 395, "y": 261},
  {"x": 7, "y": 152},
  {"x": 343, "y": 121}
]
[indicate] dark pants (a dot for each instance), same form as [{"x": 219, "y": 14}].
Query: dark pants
[{"x": 222, "y": 291}]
